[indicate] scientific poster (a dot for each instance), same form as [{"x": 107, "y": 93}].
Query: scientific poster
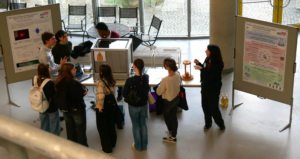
[
  {"x": 265, "y": 55},
  {"x": 25, "y": 32}
]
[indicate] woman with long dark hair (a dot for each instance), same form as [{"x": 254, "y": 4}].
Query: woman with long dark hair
[
  {"x": 75, "y": 114},
  {"x": 211, "y": 83},
  {"x": 50, "y": 119},
  {"x": 105, "y": 111},
  {"x": 138, "y": 111},
  {"x": 169, "y": 88}
]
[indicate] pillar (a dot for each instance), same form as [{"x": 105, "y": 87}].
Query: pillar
[{"x": 222, "y": 29}]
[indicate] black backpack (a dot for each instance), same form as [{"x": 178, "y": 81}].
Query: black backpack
[
  {"x": 132, "y": 96},
  {"x": 109, "y": 99}
]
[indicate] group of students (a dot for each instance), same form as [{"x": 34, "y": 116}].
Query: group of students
[{"x": 169, "y": 88}]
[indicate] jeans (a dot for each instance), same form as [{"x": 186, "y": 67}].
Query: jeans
[
  {"x": 106, "y": 128},
  {"x": 50, "y": 122},
  {"x": 120, "y": 90},
  {"x": 170, "y": 115},
  {"x": 76, "y": 126},
  {"x": 210, "y": 106},
  {"x": 139, "y": 126}
]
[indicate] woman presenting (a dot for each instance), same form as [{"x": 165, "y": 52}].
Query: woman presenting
[{"x": 211, "y": 83}]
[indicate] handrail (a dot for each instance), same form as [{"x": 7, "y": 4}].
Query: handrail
[{"x": 44, "y": 142}]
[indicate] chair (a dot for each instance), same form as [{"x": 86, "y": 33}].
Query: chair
[
  {"x": 130, "y": 13},
  {"x": 14, "y": 6},
  {"x": 76, "y": 11},
  {"x": 107, "y": 12},
  {"x": 38, "y": 5},
  {"x": 150, "y": 38}
]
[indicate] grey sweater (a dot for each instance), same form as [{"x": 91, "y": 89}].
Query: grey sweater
[{"x": 47, "y": 57}]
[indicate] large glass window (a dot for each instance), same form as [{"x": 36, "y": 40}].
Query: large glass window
[
  {"x": 122, "y": 4},
  {"x": 200, "y": 17},
  {"x": 32, "y": 3},
  {"x": 173, "y": 14},
  {"x": 260, "y": 10},
  {"x": 291, "y": 13},
  {"x": 76, "y": 20}
]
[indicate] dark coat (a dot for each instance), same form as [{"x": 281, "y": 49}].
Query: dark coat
[{"x": 82, "y": 49}]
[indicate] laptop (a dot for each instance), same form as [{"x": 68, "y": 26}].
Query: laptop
[{"x": 79, "y": 73}]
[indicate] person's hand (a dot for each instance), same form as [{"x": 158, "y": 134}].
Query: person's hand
[
  {"x": 196, "y": 61},
  {"x": 100, "y": 110},
  {"x": 197, "y": 67},
  {"x": 85, "y": 92},
  {"x": 63, "y": 60}
]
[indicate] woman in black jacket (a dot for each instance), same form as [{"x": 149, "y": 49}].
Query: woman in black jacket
[
  {"x": 75, "y": 115},
  {"x": 211, "y": 83},
  {"x": 138, "y": 111}
]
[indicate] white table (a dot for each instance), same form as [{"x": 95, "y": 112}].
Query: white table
[{"x": 155, "y": 76}]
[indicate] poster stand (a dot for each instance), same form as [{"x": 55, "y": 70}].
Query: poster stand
[
  {"x": 264, "y": 61},
  {"x": 9, "y": 100}
]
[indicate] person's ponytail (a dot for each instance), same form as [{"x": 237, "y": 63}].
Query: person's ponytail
[{"x": 139, "y": 64}]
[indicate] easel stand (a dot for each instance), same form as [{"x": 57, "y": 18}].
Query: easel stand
[{"x": 235, "y": 106}]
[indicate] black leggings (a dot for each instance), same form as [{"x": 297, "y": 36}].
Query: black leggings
[
  {"x": 170, "y": 115},
  {"x": 106, "y": 129},
  {"x": 210, "y": 106}
]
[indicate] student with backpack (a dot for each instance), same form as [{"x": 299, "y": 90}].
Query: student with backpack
[
  {"x": 105, "y": 104},
  {"x": 169, "y": 88},
  {"x": 69, "y": 99},
  {"x": 41, "y": 97},
  {"x": 138, "y": 111}
]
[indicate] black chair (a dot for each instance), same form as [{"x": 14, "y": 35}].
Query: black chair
[
  {"x": 107, "y": 12},
  {"x": 130, "y": 13},
  {"x": 14, "y": 6},
  {"x": 37, "y": 5},
  {"x": 150, "y": 38},
  {"x": 72, "y": 12}
]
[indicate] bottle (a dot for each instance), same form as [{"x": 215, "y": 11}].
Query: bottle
[
  {"x": 222, "y": 100},
  {"x": 226, "y": 100}
]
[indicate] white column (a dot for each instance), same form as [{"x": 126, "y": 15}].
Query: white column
[{"x": 222, "y": 29}]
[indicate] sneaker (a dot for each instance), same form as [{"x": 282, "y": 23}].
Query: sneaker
[
  {"x": 169, "y": 139},
  {"x": 105, "y": 152},
  {"x": 206, "y": 127},
  {"x": 133, "y": 146},
  {"x": 169, "y": 133},
  {"x": 222, "y": 128}
]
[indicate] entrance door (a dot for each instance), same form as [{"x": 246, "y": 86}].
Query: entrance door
[{"x": 285, "y": 12}]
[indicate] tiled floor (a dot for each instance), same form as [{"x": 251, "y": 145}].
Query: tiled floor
[{"x": 252, "y": 131}]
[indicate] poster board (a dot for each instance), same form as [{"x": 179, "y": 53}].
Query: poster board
[
  {"x": 20, "y": 34},
  {"x": 265, "y": 55}
]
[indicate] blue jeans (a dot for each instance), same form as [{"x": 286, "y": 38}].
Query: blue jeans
[
  {"x": 139, "y": 126},
  {"x": 76, "y": 126},
  {"x": 50, "y": 122}
]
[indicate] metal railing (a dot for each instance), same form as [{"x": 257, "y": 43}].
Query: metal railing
[{"x": 15, "y": 137}]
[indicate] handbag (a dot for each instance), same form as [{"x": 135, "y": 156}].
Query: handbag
[
  {"x": 182, "y": 96},
  {"x": 151, "y": 99},
  {"x": 132, "y": 96}
]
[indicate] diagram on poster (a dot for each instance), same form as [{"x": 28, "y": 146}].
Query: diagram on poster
[
  {"x": 25, "y": 32},
  {"x": 100, "y": 56},
  {"x": 265, "y": 55}
]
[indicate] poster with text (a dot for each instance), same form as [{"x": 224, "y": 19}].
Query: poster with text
[
  {"x": 265, "y": 55},
  {"x": 25, "y": 32}
]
